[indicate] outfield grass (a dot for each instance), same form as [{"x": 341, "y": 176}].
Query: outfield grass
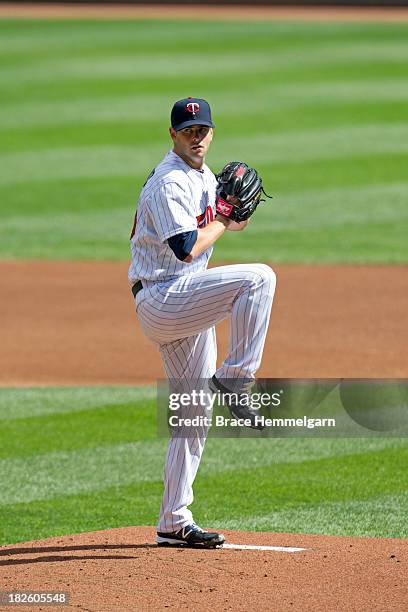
[
  {"x": 79, "y": 459},
  {"x": 321, "y": 110}
]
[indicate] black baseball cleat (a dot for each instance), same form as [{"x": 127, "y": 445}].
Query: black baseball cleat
[
  {"x": 190, "y": 536},
  {"x": 237, "y": 403}
]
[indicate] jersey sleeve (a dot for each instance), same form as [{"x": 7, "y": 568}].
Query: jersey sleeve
[
  {"x": 171, "y": 211},
  {"x": 182, "y": 244}
]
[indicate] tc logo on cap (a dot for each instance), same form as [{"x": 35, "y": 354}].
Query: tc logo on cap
[
  {"x": 190, "y": 111},
  {"x": 193, "y": 107}
]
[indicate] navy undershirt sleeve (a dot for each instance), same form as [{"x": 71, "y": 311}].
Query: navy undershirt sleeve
[{"x": 182, "y": 244}]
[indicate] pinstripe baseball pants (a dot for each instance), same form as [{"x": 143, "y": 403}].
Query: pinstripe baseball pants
[{"x": 179, "y": 316}]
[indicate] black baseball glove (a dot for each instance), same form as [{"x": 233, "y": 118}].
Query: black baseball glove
[{"x": 239, "y": 190}]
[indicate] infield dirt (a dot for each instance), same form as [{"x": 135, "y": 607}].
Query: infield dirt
[
  {"x": 213, "y": 12},
  {"x": 74, "y": 323}
]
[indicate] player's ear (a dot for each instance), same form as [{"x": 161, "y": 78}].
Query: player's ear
[{"x": 172, "y": 133}]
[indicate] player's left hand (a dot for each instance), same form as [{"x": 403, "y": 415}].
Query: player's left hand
[{"x": 238, "y": 193}]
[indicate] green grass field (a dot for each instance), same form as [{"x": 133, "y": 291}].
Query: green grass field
[
  {"x": 89, "y": 458},
  {"x": 320, "y": 109}
]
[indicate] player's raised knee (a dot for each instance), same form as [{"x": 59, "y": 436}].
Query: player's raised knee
[
  {"x": 267, "y": 273},
  {"x": 261, "y": 275}
]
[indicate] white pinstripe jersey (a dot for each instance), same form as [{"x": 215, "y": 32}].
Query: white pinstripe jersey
[{"x": 175, "y": 199}]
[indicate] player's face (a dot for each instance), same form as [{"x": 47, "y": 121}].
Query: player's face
[{"x": 192, "y": 144}]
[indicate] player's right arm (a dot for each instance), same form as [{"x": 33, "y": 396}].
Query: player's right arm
[{"x": 207, "y": 236}]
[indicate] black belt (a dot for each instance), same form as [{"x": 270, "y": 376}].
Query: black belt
[{"x": 137, "y": 287}]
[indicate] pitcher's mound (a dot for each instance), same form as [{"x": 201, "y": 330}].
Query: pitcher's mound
[{"x": 123, "y": 569}]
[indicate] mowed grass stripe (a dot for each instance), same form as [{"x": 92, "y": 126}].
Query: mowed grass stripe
[
  {"x": 67, "y": 473},
  {"x": 319, "y": 144},
  {"x": 303, "y": 225},
  {"x": 317, "y": 204},
  {"x": 290, "y": 46},
  {"x": 387, "y": 202},
  {"x": 52, "y": 421},
  {"x": 334, "y": 518},
  {"x": 26, "y": 37},
  {"x": 72, "y": 428},
  {"x": 275, "y": 126},
  {"x": 343, "y": 479},
  {"x": 78, "y": 429},
  {"x": 137, "y": 109},
  {"x": 258, "y": 84},
  {"x": 382, "y": 516},
  {"x": 38, "y": 37},
  {"x": 348, "y": 243},
  {"x": 322, "y": 145},
  {"x": 157, "y": 62},
  {"x": 32, "y": 402},
  {"x": 228, "y": 499},
  {"x": 75, "y": 462},
  {"x": 323, "y": 108},
  {"x": 45, "y": 476},
  {"x": 79, "y": 472},
  {"x": 114, "y": 507}
]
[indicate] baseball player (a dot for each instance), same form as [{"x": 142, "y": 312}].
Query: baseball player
[{"x": 182, "y": 211}]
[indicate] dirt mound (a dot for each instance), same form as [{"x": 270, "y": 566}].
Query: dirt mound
[{"x": 122, "y": 569}]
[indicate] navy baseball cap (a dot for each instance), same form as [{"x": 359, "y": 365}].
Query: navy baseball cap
[{"x": 190, "y": 111}]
